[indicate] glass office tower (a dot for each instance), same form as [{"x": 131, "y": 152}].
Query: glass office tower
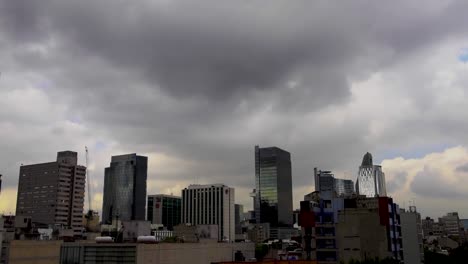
[
  {"x": 273, "y": 182},
  {"x": 125, "y": 188},
  {"x": 371, "y": 179},
  {"x": 344, "y": 187},
  {"x": 165, "y": 210}
]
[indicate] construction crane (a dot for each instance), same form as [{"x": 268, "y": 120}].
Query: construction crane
[{"x": 89, "y": 215}]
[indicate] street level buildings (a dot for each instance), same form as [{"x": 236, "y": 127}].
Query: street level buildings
[
  {"x": 273, "y": 183},
  {"x": 52, "y": 193},
  {"x": 165, "y": 210},
  {"x": 125, "y": 188},
  {"x": 369, "y": 228},
  {"x": 210, "y": 205}
]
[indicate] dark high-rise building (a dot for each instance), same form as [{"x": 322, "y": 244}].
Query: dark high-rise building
[
  {"x": 327, "y": 184},
  {"x": 238, "y": 217},
  {"x": 273, "y": 182},
  {"x": 125, "y": 188},
  {"x": 165, "y": 210},
  {"x": 53, "y": 192}
]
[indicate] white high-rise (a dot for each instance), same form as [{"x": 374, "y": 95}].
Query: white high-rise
[
  {"x": 371, "y": 178},
  {"x": 211, "y": 204}
]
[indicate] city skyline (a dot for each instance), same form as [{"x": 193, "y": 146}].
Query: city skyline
[
  {"x": 194, "y": 87},
  {"x": 404, "y": 204}
]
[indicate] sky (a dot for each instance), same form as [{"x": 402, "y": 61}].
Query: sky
[{"x": 195, "y": 85}]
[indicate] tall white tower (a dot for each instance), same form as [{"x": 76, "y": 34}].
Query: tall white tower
[{"x": 371, "y": 178}]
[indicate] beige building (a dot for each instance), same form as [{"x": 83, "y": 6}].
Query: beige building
[
  {"x": 164, "y": 253},
  {"x": 360, "y": 235},
  {"x": 53, "y": 192},
  {"x": 35, "y": 251},
  {"x": 55, "y": 252}
]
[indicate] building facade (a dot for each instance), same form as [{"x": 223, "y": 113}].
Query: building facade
[
  {"x": 369, "y": 228},
  {"x": 161, "y": 253},
  {"x": 165, "y": 210},
  {"x": 371, "y": 178},
  {"x": 412, "y": 236},
  {"x": 325, "y": 182},
  {"x": 239, "y": 217},
  {"x": 344, "y": 187},
  {"x": 125, "y": 188},
  {"x": 451, "y": 223},
  {"x": 53, "y": 193},
  {"x": 210, "y": 205},
  {"x": 273, "y": 183}
]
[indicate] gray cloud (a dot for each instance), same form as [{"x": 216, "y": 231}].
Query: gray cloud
[
  {"x": 462, "y": 168},
  {"x": 205, "y": 81},
  {"x": 431, "y": 183},
  {"x": 398, "y": 180}
]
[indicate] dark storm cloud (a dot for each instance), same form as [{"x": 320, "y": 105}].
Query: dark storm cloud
[{"x": 207, "y": 80}]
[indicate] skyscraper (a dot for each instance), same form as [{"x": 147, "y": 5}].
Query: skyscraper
[
  {"x": 273, "y": 183},
  {"x": 53, "y": 192},
  {"x": 125, "y": 188},
  {"x": 371, "y": 179},
  {"x": 164, "y": 210},
  {"x": 329, "y": 186},
  {"x": 239, "y": 217},
  {"x": 210, "y": 205},
  {"x": 344, "y": 187}
]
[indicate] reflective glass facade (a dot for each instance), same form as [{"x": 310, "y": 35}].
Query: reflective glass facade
[
  {"x": 344, "y": 187},
  {"x": 273, "y": 199},
  {"x": 165, "y": 210},
  {"x": 125, "y": 188},
  {"x": 371, "y": 179}
]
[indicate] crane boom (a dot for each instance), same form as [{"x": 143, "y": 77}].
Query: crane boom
[{"x": 88, "y": 180}]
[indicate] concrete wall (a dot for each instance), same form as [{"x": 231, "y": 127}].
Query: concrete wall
[
  {"x": 360, "y": 235},
  {"x": 35, "y": 252},
  {"x": 412, "y": 237},
  {"x": 193, "y": 253}
]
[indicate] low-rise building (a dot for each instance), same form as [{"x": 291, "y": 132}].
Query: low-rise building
[
  {"x": 453, "y": 227},
  {"x": 198, "y": 233},
  {"x": 133, "y": 229},
  {"x": 35, "y": 251},
  {"x": 163, "y": 253},
  {"x": 258, "y": 232}
]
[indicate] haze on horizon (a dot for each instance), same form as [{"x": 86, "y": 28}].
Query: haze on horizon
[{"x": 195, "y": 85}]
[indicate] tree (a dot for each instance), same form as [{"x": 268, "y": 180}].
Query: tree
[{"x": 260, "y": 251}]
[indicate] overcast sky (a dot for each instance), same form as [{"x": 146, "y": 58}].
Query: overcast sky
[{"x": 195, "y": 85}]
